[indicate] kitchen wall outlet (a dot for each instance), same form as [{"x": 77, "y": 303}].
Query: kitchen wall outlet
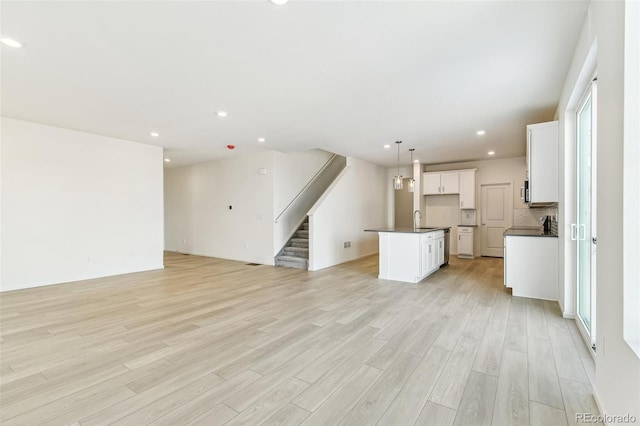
[
  {"x": 184, "y": 241},
  {"x": 347, "y": 244},
  {"x": 246, "y": 246},
  {"x": 262, "y": 171},
  {"x": 259, "y": 216}
]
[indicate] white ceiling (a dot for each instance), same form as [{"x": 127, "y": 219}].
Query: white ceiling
[{"x": 347, "y": 77}]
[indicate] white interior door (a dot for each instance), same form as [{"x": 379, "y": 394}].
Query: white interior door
[{"x": 496, "y": 216}]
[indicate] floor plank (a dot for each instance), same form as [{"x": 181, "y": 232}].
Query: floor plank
[
  {"x": 512, "y": 398},
  {"x": 476, "y": 407},
  {"x": 210, "y": 341}
]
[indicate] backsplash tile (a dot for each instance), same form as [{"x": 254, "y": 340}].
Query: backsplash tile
[{"x": 531, "y": 217}]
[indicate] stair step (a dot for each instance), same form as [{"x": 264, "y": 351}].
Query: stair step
[
  {"x": 302, "y": 233},
  {"x": 297, "y": 251},
  {"x": 305, "y": 226},
  {"x": 292, "y": 262},
  {"x": 299, "y": 242}
]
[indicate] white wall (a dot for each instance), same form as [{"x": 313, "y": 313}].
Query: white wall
[
  {"x": 354, "y": 203},
  {"x": 444, "y": 210},
  {"x": 198, "y": 218},
  {"x": 291, "y": 173},
  {"x": 197, "y": 199},
  {"x": 632, "y": 176},
  {"x": 76, "y": 205},
  {"x": 617, "y": 385}
]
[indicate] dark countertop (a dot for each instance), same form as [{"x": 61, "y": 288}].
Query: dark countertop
[
  {"x": 464, "y": 226},
  {"x": 528, "y": 231},
  {"x": 410, "y": 230}
]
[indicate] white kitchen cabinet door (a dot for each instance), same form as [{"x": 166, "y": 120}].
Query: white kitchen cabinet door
[
  {"x": 432, "y": 255},
  {"x": 449, "y": 183},
  {"x": 440, "y": 251},
  {"x": 424, "y": 256},
  {"x": 465, "y": 241},
  {"x": 542, "y": 162},
  {"x": 531, "y": 266},
  {"x": 431, "y": 183},
  {"x": 468, "y": 189}
]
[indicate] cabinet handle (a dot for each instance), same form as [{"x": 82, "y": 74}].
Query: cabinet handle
[
  {"x": 522, "y": 193},
  {"x": 574, "y": 233},
  {"x": 458, "y": 237},
  {"x": 461, "y": 203}
]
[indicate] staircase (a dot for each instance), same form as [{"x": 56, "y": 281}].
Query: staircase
[{"x": 296, "y": 253}]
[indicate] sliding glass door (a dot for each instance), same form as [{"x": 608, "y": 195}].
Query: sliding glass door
[{"x": 584, "y": 230}]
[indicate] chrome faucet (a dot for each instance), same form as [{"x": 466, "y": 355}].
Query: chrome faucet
[{"x": 415, "y": 224}]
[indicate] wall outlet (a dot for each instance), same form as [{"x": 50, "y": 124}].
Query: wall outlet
[{"x": 347, "y": 244}]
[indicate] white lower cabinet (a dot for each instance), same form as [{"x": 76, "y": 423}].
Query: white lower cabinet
[
  {"x": 427, "y": 253},
  {"x": 531, "y": 266},
  {"x": 465, "y": 241},
  {"x": 409, "y": 256},
  {"x": 440, "y": 250}
]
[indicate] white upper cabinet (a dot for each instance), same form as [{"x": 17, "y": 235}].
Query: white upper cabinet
[
  {"x": 542, "y": 162},
  {"x": 449, "y": 182},
  {"x": 431, "y": 183},
  {"x": 468, "y": 189},
  {"x": 440, "y": 183},
  {"x": 461, "y": 182}
]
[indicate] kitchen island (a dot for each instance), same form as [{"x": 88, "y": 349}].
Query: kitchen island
[{"x": 411, "y": 254}]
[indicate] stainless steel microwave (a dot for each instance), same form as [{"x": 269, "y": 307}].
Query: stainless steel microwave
[{"x": 524, "y": 192}]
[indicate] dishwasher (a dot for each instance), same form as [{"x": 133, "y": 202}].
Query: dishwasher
[{"x": 447, "y": 235}]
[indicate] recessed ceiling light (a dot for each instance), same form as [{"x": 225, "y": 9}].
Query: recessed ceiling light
[
  {"x": 11, "y": 42},
  {"x": 416, "y": 161},
  {"x": 279, "y": 2},
  {"x": 221, "y": 113},
  {"x": 261, "y": 139},
  {"x": 167, "y": 160},
  {"x": 154, "y": 134},
  {"x": 480, "y": 132},
  {"x": 491, "y": 152},
  {"x": 387, "y": 146}
]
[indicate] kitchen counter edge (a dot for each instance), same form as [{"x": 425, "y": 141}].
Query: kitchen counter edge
[
  {"x": 409, "y": 230},
  {"x": 528, "y": 232}
]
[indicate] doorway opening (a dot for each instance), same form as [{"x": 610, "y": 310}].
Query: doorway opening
[{"x": 404, "y": 206}]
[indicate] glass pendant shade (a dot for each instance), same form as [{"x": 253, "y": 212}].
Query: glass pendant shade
[{"x": 397, "y": 182}]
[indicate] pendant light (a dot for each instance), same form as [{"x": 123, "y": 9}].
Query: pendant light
[
  {"x": 412, "y": 182},
  {"x": 397, "y": 180}
]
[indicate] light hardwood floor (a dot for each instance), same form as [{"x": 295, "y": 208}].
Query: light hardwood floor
[{"x": 208, "y": 341}]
